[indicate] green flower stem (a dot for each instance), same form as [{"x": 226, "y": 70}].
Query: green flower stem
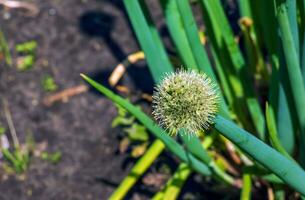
[
  {"x": 294, "y": 71},
  {"x": 203, "y": 155},
  {"x": 284, "y": 168},
  {"x": 189, "y": 24},
  {"x": 277, "y": 96},
  {"x": 233, "y": 63},
  {"x": 138, "y": 170},
  {"x": 175, "y": 183},
  {"x": 177, "y": 32},
  {"x": 246, "y": 189},
  {"x": 223, "y": 79},
  {"x": 279, "y": 192},
  {"x": 271, "y": 125},
  {"x": 148, "y": 38},
  {"x": 263, "y": 173},
  {"x": 11, "y": 158},
  {"x": 170, "y": 143}
]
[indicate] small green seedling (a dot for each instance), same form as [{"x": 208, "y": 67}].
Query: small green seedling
[
  {"x": 27, "y": 52},
  {"x": 53, "y": 158},
  {"x": 136, "y": 134},
  {"x": 122, "y": 119},
  {"x": 17, "y": 160},
  {"x": 134, "y": 130},
  {"x": 4, "y": 50},
  {"x": 25, "y": 63},
  {"x": 27, "y": 47},
  {"x": 2, "y": 130},
  {"x": 48, "y": 84}
]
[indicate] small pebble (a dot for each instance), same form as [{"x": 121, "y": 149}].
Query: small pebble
[
  {"x": 52, "y": 11},
  {"x": 34, "y": 102},
  {"x": 7, "y": 15}
]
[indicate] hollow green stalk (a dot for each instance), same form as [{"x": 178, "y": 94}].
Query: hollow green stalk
[
  {"x": 148, "y": 38},
  {"x": 184, "y": 32},
  {"x": 293, "y": 68},
  {"x": 203, "y": 155},
  {"x": 273, "y": 132},
  {"x": 175, "y": 183},
  {"x": 223, "y": 41},
  {"x": 279, "y": 192},
  {"x": 278, "y": 97},
  {"x": 281, "y": 166},
  {"x": 138, "y": 170},
  {"x": 246, "y": 188}
]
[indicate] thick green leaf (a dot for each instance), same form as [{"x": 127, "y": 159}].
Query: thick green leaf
[
  {"x": 284, "y": 168},
  {"x": 148, "y": 38},
  {"x": 296, "y": 84},
  {"x": 232, "y": 61}
]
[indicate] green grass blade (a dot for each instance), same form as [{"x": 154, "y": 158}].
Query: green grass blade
[
  {"x": 195, "y": 147},
  {"x": 279, "y": 192},
  {"x": 148, "y": 39},
  {"x": 224, "y": 84},
  {"x": 270, "y": 118},
  {"x": 294, "y": 71},
  {"x": 231, "y": 46},
  {"x": 179, "y": 179},
  {"x": 171, "y": 186},
  {"x": 174, "y": 184},
  {"x": 198, "y": 51},
  {"x": 254, "y": 55},
  {"x": 245, "y": 8},
  {"x": 284, "y": 168},
  {"x": 218, "y": 44},
  {"x": 268, "y": 28},
  {"x": 263, "y": 173},
  {"x": 138, "y": 170},
  {"x": 4, "y": 49},
  {"x": 277, "y": 95},
  {"x": 301, "y": 21},
  {"x": 171, "y": 144},
  {"x": 292, "y": 17},
  {"x": 301, "y": 7},
  {"x": 246, "y": 188},
  {"x": 191, "y": 30},
  {"x": 177, "y": 32},
  {"x": 223, "y": 40},
  {"x": 303, "y": 59},
  {"x": 250, "y": 26},
  {"x": 285, "y": 126},
  {"x": 11, "y": 158}
]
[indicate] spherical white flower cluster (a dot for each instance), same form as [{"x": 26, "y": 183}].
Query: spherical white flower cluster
[{"x": 185, "y": 100}]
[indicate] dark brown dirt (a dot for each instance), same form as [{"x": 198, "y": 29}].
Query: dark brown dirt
[{"x": 80, "y": 129}]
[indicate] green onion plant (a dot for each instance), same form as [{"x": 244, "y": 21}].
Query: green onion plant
[{"x": 241, "y": 87}]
